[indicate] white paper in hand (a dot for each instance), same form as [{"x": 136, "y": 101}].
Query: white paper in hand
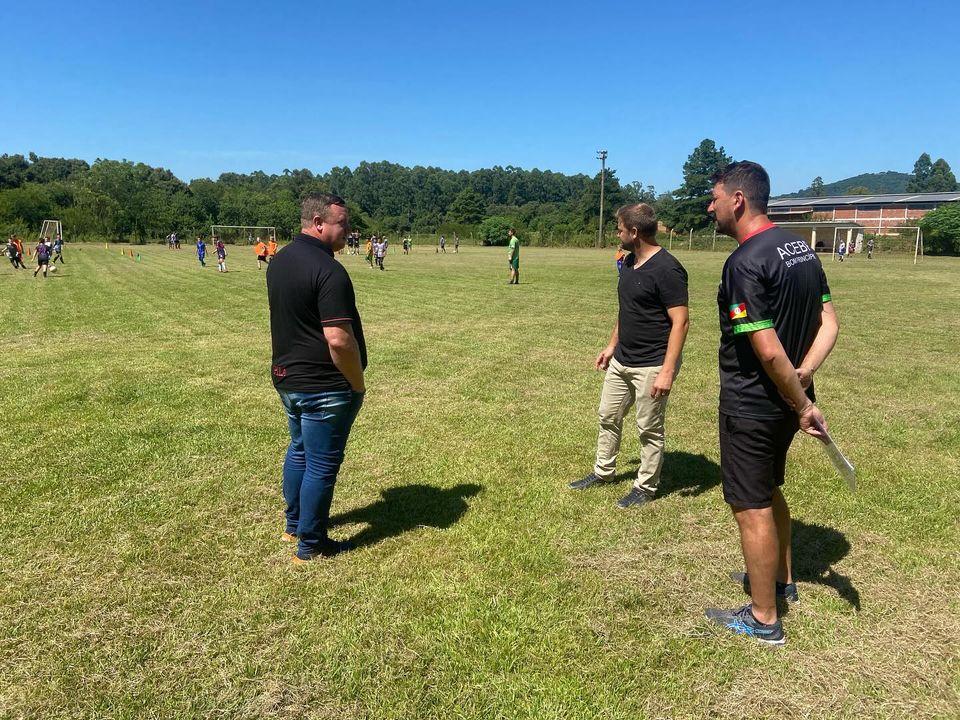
[{"x": 840, "y": 462}]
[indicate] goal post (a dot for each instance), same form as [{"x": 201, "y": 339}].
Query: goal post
[
  {"x": 859, "y": 237},
  {"x": 888, "y": 238},
  {"x": 50, "y": 229},
  {"x": 243, "y": 234}
]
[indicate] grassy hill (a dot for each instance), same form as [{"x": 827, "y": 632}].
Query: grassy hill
[{"x": 889, "y": 181}]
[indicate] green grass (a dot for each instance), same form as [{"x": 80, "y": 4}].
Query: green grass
[{"x": 141, "y": 573}]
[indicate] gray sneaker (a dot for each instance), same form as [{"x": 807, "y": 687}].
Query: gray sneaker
[
  {"x": 585, "y": 482},
  {"x": 742, "y": 622},
  {"x": 634, "y": 497},
  {"x": 787, "y": 591}
]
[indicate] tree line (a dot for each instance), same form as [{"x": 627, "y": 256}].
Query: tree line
[
  {"x": 131, "y": 201},
  {"x": 125, "y": 200}
]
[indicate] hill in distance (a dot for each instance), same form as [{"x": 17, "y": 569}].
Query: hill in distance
[{"x": 877, "y": 183}]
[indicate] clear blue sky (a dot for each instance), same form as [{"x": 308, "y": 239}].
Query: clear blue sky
[{"x": 831, "y": 89}]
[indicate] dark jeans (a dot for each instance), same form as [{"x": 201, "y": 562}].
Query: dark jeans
[{"x": 319, "y": 424}]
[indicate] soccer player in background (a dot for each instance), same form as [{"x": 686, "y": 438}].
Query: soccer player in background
[
  {"x": 513, "y": 257},
  {"x": 271, "y": 249},
  {"x": 11, "y": 252},
  {"x": 261, "y": 252},
  {"x": 644, "y": 354},
  {"x": 58, "y": 250},
  {"x": 777, "y": 326},
  {"x": 19, "y": 243},
  {"x": 201, "y": 252},
  {"x": 221, "y": 255},
  {"x": 43, "y": 257}
]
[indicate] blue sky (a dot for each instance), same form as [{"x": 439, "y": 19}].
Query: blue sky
[{"x": 830, "y": 89}]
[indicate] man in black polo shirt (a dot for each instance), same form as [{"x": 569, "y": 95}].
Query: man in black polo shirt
[
  {"x": 319, "y": 356},
  {"x": 777, "y": 326},
  {"x": 643, "y": 356}
]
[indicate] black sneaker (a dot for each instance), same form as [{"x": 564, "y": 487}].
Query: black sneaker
[
  {"x": 585, "y": 482},
  {"x": 634, "y": 497},
  {"x": 329, "y": 548},
  {"x": 742, "y": 622},
  {"x": 787, "y": 591}
]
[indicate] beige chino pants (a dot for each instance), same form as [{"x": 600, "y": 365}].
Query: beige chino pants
[{"x": 622, "y": 387}]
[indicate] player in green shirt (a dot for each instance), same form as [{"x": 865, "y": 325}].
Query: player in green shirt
[{"x": 514, "y": 257}]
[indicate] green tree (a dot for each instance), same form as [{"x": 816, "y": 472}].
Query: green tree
[
  {"x": 637, "y": 192},
  {"x": 941, "y": 178},
  {"x": 922, "y": 170},
  {"x": 493, "y": 230},
  {"x": 29, "y": 204},
  {"x": 13, "y": 171},
  {"x": 689, "y": 207},
  {"x": 816, "y": 187},
  {"x": 941, "y": 230},
  {"x": 467, "y": 208},
  {"x": 858, "y": 190}
]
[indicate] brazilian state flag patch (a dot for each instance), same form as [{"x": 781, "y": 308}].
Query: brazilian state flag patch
[{"x": 738, "y": 312}]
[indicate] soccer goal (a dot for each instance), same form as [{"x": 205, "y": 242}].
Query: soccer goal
[
  {"x": 827, "y": 236},
  {"x": 887, "y": 239},
  {"x": 243, "y": 234},
  {"x": 50, "y": 229}
]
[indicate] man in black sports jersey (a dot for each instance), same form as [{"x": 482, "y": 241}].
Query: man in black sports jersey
[{"x": 777, "y": 327}]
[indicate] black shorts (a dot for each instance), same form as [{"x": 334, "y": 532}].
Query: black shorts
[
  {"x": 262, "y": 258},
  {"x": 753, "y": 458}
]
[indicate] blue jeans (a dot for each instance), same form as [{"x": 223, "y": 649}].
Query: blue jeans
[{"x": 319, "y": 424}]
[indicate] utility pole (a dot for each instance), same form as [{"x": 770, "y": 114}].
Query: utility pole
[{"x": 602, "y": 157}]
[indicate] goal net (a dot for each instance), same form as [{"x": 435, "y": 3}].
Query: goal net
[
  {"x": 860, "y": 238},
  {"x": 904, "y": 239},
  {"x": 243, "y": 234},
  {"x": 50, "y": 229}
]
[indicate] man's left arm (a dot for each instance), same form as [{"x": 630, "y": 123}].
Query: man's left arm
[
  {"x": 823, "y": 343},
  {"x": 679, "y": 324}
]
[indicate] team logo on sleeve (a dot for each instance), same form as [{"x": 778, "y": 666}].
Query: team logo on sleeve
[{"x": 738, "y": 312}]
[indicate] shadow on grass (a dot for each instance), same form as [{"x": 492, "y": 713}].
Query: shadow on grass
[
  {"x": 682, "y": 473},
  {"x": 815, "y": 549},
  {"x": 405, "y": 508}
]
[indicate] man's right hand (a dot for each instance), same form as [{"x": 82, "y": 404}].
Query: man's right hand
[
  {"x": 812, "y": 421},
  {"x": 603, "y": 359}
]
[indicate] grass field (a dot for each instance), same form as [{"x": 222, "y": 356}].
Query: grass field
[{"x": 141, "y": 572}]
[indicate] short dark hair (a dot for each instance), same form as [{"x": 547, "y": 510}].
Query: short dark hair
[
  {"x": 639, "y": 216},
  {"x": 318, "y": 205},
  {"x": 749, "y": 178}
]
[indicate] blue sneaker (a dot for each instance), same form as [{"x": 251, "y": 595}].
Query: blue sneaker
[
  {"x": 742, "y": 622},
  {"x": 787, "y": 591}
]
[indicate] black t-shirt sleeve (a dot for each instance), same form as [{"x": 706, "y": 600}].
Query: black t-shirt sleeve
[
  {"x": 673, "y": 287},
  {"x": 825, "y": 296},
  {"x": 750, "y": 307},
  {"x": 335, "y": 299}
]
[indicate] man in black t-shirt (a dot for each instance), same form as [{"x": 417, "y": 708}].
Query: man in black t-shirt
[
  {"x": 319, "y": 356},
  {"x": 643, "y": 356},
  {"x": 777, "y": 326}
]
